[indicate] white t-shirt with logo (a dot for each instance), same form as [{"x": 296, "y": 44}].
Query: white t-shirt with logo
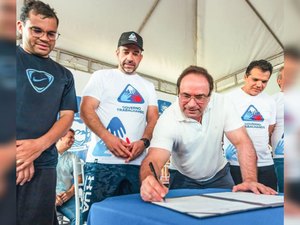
[
  {"x": 257, "y": 113},
  {"x": 124, "y": 100},
  {"x": 292, "y": 134},
  {"x": 277, "y": 139},
  {"x": 196, "y": 148}
]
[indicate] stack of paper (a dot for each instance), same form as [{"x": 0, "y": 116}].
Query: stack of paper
[{"x": 215, "y": 204}]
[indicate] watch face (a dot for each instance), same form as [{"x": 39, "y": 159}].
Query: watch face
[{"x": 146, "y": 142}]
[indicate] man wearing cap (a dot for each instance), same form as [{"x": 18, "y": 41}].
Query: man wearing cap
[{"x": 120, "y": 108}]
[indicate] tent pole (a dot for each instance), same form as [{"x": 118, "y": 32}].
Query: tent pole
[
  {"x": 148, "y": 16},
  {"x": 265, "y": 23}
]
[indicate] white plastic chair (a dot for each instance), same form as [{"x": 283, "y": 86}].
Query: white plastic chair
[
  {"x": 78, "y": 188},
  {"x": 62, "y": 220}
]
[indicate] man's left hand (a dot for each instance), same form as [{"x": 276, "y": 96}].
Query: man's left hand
[
  {"x": 255, "y": 187},
  {"x": 137, "y": 148},
  {"x": 27, "y": 151}
]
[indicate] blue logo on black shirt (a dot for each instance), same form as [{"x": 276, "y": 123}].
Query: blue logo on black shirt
[
  {"x": 252, "y": 114},
  {"x": 39, "y": 80},
  {"x": 131, "y": 95}
]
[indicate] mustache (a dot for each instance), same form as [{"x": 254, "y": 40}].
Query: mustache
[{"x": 129, "y": 62}]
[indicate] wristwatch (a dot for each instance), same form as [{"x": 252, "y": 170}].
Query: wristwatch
[{"x": 146, "y": 142}]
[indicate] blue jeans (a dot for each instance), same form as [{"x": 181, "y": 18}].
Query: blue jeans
[
  {"x": 279, "y": 169},
  {"x": 107, "y": 180},
  {"x": 68, "y": 210},
  {"x": 222, "y": 179}
]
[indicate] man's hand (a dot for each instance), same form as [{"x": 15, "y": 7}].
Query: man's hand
[
  {"x": 59, "y": 201},
  {"x": 25, "y": 175},
  {"x": 137, "y": 148},
  {"x": 27, "y": 151},
  {"x": 117, "y": 146},
  {"x": 152, "y": 190},
  {"x": 65, "y": 196},
  {"x": 255, "y": 187}
]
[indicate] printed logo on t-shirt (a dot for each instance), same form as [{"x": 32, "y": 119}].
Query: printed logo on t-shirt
[
  {"x": 39, "y": 80},
  {"x": 116, "y": 128},
  {"x": 279, "y": 150},
  {"x": 162, "y": 106},
  {"x": 252, "y": 114},
  {"x": 230, "y": 153},
  {"x": 130, "y": 95}
]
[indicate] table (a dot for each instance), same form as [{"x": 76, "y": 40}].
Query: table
[{"x": 132, "y": 210}]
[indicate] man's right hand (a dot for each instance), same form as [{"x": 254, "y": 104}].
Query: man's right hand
[
  {"x": 117, "y": 146},
  {"x": 25, "y": 175},
  {"x": 59, "y": 201},
  {"x": 152, "y": 190}
]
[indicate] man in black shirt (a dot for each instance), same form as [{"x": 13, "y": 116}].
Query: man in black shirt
[{"x": 46, "y": 102}]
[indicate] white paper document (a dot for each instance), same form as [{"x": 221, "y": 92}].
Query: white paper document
[
  {"x": 215, "y": 204},
  {"x": 249, "y": 197}
]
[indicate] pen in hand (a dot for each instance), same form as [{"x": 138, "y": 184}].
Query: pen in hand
[{"x": 155, "y": 175}]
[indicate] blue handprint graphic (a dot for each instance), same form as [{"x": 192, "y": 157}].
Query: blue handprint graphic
[
  {"x": 131, "y": 95},
  {"x": 125, "y": 97},
  {"x": 101, "y": 149},
  {"x": 280, "y": 147},
  {"x": 116, "y": 127},
  {"x": 230, "y": 153}
]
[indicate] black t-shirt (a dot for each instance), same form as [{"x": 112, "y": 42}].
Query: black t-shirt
[{"x": 44, "y": 88}]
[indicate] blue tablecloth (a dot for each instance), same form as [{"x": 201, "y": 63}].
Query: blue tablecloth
[{"x": 131, "y": 210}]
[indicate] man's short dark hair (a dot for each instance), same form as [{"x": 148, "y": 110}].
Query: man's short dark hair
[
  {"x": 196, "y": 70},
  {"x": 38, "y": 8},
  {"x": 260, "y": 64}
]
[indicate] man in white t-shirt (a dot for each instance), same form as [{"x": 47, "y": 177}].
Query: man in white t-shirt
[
  {"x": 292, "y": 131},
  {"x": 258, "y": 112},
  {"x": 277, "y": 138},
  {"x": 120, "y": 108},
  {"x": 191, "y": 130}
]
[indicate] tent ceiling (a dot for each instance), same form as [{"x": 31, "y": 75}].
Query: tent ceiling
[{"x": 220, "y": 35}]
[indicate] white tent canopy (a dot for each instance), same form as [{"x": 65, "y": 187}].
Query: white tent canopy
[{"x": 223, "y": 36}]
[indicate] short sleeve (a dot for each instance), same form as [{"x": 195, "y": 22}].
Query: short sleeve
[
  {"x": 232, "y": 119},
  {"x": 94, "y": 87},
  {"x": 164, "y": 134},
  {"x": 152, "y": 95},
  {"x": 69, "y": 101}
]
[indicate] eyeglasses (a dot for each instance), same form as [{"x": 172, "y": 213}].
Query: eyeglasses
[
  {"x": 38, "y": 33},
  {"x": 185, "y": 98}
]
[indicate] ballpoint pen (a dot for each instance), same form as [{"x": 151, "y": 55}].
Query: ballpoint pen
[{"x": 155, "y": 175}]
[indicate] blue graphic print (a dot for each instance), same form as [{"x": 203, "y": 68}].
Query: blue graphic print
[
  {"x": 252, "y": 114},
  {"x": 39, "y": 80},
  {"x": 230, "y": 153},
  {"x": 162, "y": 106},
  {"x": 130, "y": 95},
  {"x": 280, "y": 148},
  {"x": 115, "y": 127},
  {"x": 101, "y": 149}
]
